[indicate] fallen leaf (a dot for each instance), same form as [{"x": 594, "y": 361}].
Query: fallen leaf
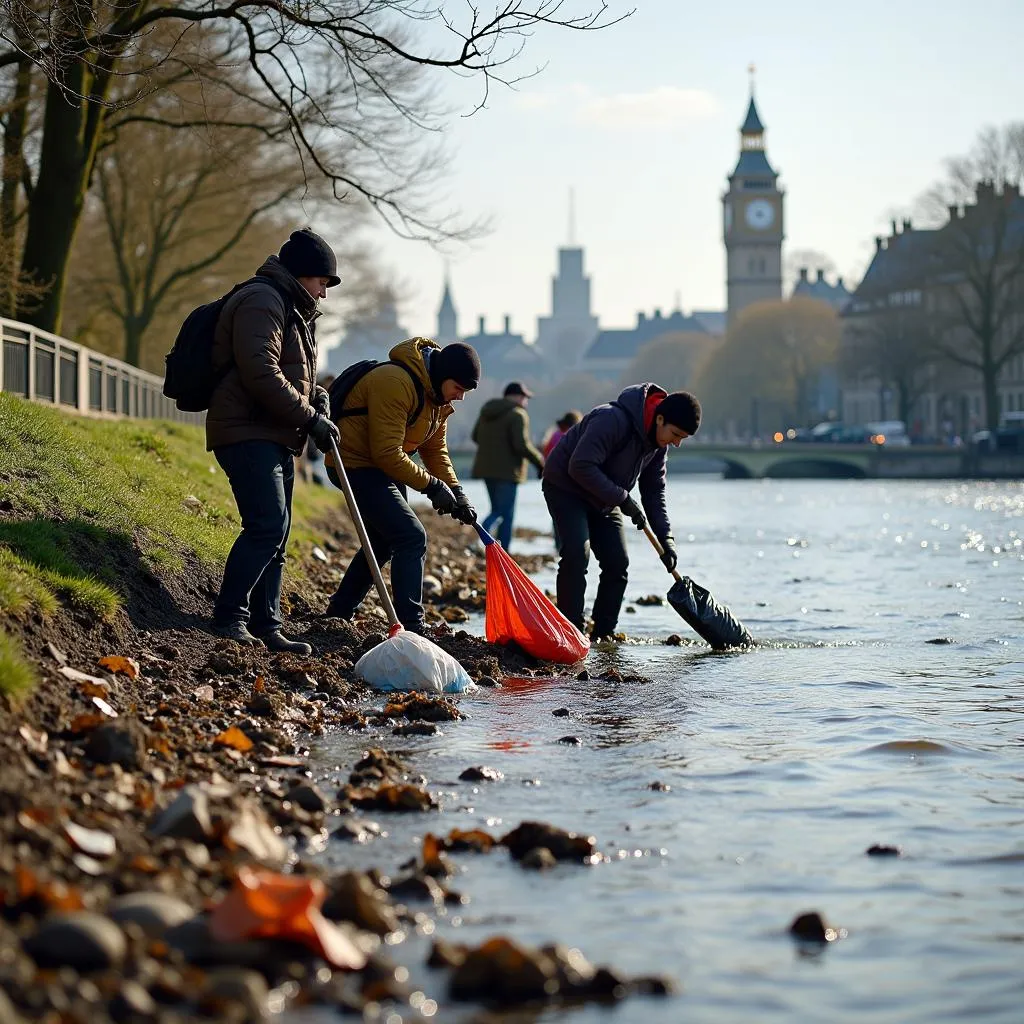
[
  {"x": 35, "y": 739},
  {"x": 259, "y": 685},
  {"x": 86, "y": 722},
  {"x": 94, "y": 690},
  {"x": 233, "y": 738},
  {"x": 118, "y": 664},
  {"x": 160, "y": 745}
]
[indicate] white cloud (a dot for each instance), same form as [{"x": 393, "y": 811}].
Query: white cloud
[{"x": 663, "y": 106}]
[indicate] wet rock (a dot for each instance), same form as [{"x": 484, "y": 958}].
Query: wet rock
[
  {"x": 132, "y": 1003},
  {"x": 540, "y": 858},
  {"x": 583, "y": 674},
  {"x": 561, "y": 712},
  {"x": 418, "y": 886},
  {"x": 398, "y": 796},
  {"x": 250, "y": 831},
  {"x": 353, "y": 897},
  {"x": 355, "y": 831},
  {"x": 153, "y": 912},
  {"x": 562, "y": 845},
  {"x": 81, "y": 940},
  {"x": 660, "y": 787},
  {"x": 308, "y": 797},
  {"x": 422, "y": 707},
  {"x": 812, "y": 927},
  {"x": 487, "y": 681},
  {"x": 941, "y": 640},
  {"x": 447, "y": 954},
  {"x": 187, "y": 817},
  {"x": 417, "y": 729},
  {"x": 572, "y": 969},
  {"x": 502, "y": 971},
  {"x": 879, "y": 850},
  {"x": 650, "y": 601},
  {"x": 570, "y": 741},
  {"x": 122, "y": 743},
  {"x": 674, "y": 640},
  {"x": 228, "y": 986},
  {"x": 481, "y": 773}
]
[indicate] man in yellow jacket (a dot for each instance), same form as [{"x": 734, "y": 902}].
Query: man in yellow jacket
[{"x": 395, "y": 410}]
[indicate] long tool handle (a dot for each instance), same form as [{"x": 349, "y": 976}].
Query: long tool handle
[
  {"x": 371, "y": 558},
  {"x": 656, "y": 544}
]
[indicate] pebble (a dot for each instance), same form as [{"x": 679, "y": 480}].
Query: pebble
[
  {"x": 82, "y": 940},
  {"x": 153, "y": 912},
  {"x": 571, "y": 741},
  {"x": 238, "y": 985},
  {"x": 417, "y": 729},
  {"x": 481, "y": 773},
  {"x": 811, "y": 927},
  {"x": 132, "y": 1003},
  {"x": 122, "y": 743},
  {"x": 561, "y": 712},
  {"x": 539, "y": 859},
  {"x": 8, "y": 1015},
  {"x": 879, "y": 850},
  {"x": 187, "y": 817},
  {"x": 308, "y": 797}
]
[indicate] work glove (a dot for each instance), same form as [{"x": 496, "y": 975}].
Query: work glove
[
  {"x": 441, "y": 497},
  {"x": 635, "y": 512},
  {"x": 669, "y": 558},
  {"x": 324, "y": 433},
  {"x": 322, "y": 401},
  {"x": 464, "y": 511}
]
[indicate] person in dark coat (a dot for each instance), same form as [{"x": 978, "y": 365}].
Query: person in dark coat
[
  {"x": 266, "y": 404},
  {"x": 502, "y": 437},
  {"x": 587, "y": 480}
]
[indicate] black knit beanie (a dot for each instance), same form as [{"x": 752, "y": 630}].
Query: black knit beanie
[
  {"x": 306, "y": 254},
  {"x": 681, "y": 409},
  {"x": 458, "y": 362}
]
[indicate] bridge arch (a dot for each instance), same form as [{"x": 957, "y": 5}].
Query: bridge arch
[{"x": 815, "y": 468}]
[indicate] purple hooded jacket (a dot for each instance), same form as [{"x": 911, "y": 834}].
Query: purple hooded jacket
[{"x": 602, "y": 457}]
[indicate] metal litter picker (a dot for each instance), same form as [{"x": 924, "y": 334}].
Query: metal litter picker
[
  {"x": 712, "y": 621},
  {"x": 405, "y": 661}
]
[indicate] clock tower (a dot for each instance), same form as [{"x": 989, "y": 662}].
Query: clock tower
[{"x": 752, "y": 222}]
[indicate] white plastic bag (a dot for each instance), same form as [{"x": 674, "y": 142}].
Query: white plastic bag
[{"x": 408, "y": 661}]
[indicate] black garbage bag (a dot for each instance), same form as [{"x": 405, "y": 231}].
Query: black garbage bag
[{"x": 711, "y": 620}]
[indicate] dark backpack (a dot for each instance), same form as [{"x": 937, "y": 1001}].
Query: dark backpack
[
  {"x": 342, "y": 385},
  {"x": 190, "y": 378}
]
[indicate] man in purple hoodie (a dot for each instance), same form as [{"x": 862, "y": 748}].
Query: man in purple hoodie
[{"x": 587, "y": 480}]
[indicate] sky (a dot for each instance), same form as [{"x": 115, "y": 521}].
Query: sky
[{"x": 861, "y": 103}]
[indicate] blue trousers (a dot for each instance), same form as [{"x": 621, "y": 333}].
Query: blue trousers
[
  {"x": 503, "y": 509},
  {"x": 261, "y": 474}
]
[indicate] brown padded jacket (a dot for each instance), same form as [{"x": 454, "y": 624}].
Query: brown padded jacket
[
  {"x": 383, "y": 437},
  {"x": 271, "y": 349}
]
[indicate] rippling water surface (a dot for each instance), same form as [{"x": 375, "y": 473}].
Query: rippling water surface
[{"x": 848, "y": 727}]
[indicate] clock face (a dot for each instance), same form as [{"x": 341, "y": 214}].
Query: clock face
[
  {"x": 728, "y": 216},
  {"x": 760, "y": 214}
]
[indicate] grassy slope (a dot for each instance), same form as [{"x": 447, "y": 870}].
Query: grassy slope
[{"x": 75, "y": 490}]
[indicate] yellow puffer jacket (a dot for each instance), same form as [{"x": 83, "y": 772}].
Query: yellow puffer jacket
[{"x": 383, "y": 436}]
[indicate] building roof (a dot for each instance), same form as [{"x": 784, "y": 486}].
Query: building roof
[
  {"x": 753, "y": 163},
  {"x": 625, "y": 343},
  {"x": 447, "y": 305},
  {"x": 752, "y": 123},
  {"x": 836, "y": 295}
]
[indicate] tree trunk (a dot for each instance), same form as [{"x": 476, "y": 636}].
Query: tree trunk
[
  {"x": 134, "y": 328},
  {"x": 990, "y": 385},
  {"x": 13, "y": 166}
]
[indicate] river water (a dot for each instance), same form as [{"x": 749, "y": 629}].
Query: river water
[{"x": 847, "y": 727}]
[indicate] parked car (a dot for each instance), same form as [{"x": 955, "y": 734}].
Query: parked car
[{"x": 889, "y": 432}]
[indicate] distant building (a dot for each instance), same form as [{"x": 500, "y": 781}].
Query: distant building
[
  {"x": 565, "y": 336},
  {"x": 505, "y": 356},
  {"x": 447, "y": 318},
  {"x": 836, "y": 295},
  {"x": 368, "y": 337},
  {"x": 752, "y": 222},
  {"x": 609, "y": 356}
]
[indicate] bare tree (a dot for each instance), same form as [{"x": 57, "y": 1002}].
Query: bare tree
[
  {"x": 670, "y": 360},
  {"x": 976, "y": 276},
  {"x": 347, "y": 81},
  {"x": 800, "y": 259}
]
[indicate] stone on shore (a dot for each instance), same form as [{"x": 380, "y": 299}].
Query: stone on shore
[
  {"x": 153, "y": 912},
  {"x": 82, "y": 940}
]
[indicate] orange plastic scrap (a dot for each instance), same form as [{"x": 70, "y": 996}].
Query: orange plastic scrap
[{"x": 265, "y": 905}]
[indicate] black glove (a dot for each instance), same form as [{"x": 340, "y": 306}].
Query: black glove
[
  {"x": 635, "y": 512},
  {"x": 464, "y": 511},
  {"x": 323, "y": 432},
  {"x": 669, "y": 558},
  {"x": 441, "y": 497},
  {"x": 322, "y": 401}
]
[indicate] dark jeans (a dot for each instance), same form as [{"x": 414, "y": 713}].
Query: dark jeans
[
  {"x": 261, "y": 474},
  {"x": 396, "y": 534},
  {"x": 503, "y": 508},
  {"x": 581, "y": 528}
]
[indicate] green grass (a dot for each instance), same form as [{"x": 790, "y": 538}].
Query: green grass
[
  {"x": 16, "y": 675},
  {"x": 87, "y": 500}
]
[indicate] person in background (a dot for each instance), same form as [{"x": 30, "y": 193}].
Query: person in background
[
  {"x": 502, "y": 437},
  {"x": 570, "y": 419},
  {"x": 587, "y": 480},
  {"x": 266, "y": 405},
  {"x": 395, "y": 410}
]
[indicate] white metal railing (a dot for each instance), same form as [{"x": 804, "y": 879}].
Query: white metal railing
[{"x": 44, "y": 367}]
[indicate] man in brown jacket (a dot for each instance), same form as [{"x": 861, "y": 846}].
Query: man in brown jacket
[
  {"x": 502, "y": 437},
  {"x": 395, "y": 410},
  {"x": 260, "y": 414}
]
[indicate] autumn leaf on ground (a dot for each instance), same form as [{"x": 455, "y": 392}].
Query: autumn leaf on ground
[
  {"x": 118, "y": 664},
  {"x": 233, "y": 738}
]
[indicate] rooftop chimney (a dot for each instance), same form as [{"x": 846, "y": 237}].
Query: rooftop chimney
[
  {"x": 895, "y": 228},
  {"x": 907, "y": 226},
  {"x": 803, "y": 273},
  {"x": 641, "y": 318},
  {"x": 839, "y": 282},
  {"x": 482, "y": 329},
  {"x": 878, "y": 243},
  {"x": 821, "y": 274},
  {"x": 508, "y": 324},
  {"x": 657, "y": 314},
  {"x": 954, "y": 212}
]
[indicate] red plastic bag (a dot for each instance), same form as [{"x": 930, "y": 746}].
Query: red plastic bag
[{"x": 518, "y": 610}]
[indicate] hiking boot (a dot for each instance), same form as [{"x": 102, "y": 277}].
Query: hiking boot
[
  {"x": 277, "y": 641},
  {"x": 236, "y": 631}
]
